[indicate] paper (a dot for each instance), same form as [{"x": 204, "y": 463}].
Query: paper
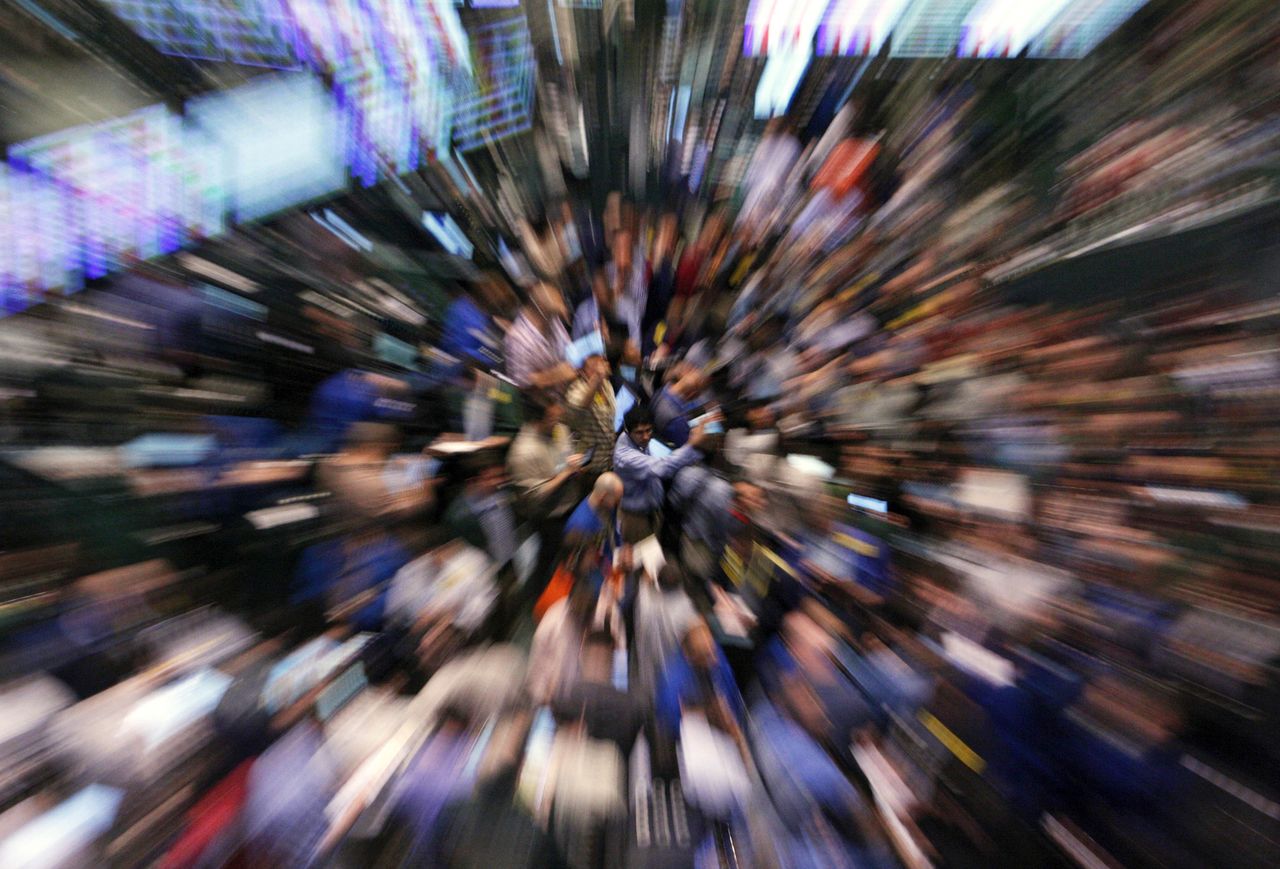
[
  {"x": 658, "y": 448},
  {"x": 648, "y": 554},
  {"x": 270, "y": 517},
  {"x": 974, "y": 659},
  {"x": 588, "y": 345},
  {"x": 452, "y": 448}
]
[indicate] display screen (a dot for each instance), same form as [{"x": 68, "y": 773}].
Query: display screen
[
  {"x": 1003, "y": 28},
  {"x": 395, "y": 351},
  {"x": 252, "y": 32},
  {"x": 930, "y": 28},
  {"x": 279, "y": 138},
  {"x": 1079, "y": 28},
  {"x": 858, "y": 27},
  {"x": 499, "y": 101}
]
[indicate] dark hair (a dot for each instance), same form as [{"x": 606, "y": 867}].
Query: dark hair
[
  {"x": 638, "y": 415},
  {"x": 597, "y": 639},
  {"x": 455, "y": 714},
  {"x": 478, "y": 463},
  {"x": 670, "y": 576},
  {"x": 536, "y": 404}
]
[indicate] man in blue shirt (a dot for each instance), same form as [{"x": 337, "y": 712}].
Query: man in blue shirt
[
  {"x": 643, "y": 475},
  {"x": 465, "y": 331},
  {"x": 482, "y": 514},
  {"x": 702, "y": 498},
  {"x": 674, "y": 404},
  {"x": 593, "y": 523},
  {"x": 340, "y": 574}
]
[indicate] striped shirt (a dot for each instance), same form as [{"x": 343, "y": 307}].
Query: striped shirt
[
  {"x": 531, "y": 349},
  {"x": 591, "y": 418}
]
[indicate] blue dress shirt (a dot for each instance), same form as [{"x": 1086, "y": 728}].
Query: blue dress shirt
[{"x": 643, "y": 475}]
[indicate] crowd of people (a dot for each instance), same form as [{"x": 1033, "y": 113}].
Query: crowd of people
[
  {"x": 786, "y": 525},
  {"x": 756, "y": 596}
]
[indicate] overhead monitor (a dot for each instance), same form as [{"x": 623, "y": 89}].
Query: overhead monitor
[
  {"x": 498, "y": 102},
  {"x": 280, "y": 143},
  {"x": 930, "y": 28},
  {"x": 1003, "y": 28},
  {"x": 858, "y": 27},
  {"x": 1079, "y": 27}
]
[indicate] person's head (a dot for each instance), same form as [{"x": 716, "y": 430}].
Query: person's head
[
  {"x": 597, "y": 656},
  {"x": 602, "y": 289},
  {"x": 667, "y": 236},
  {"x": 638, "y": 423},
  {"x": 691, "y": 384},
  {"x": 767, "y": 333},
  {"x": 809, "y": 644},
  {"x": 678, "y": 370},
  {"x": 823, "y": 510},
  {"x": 607, "y": 492},
  {"x": 485, "y": 474},
  {"x": 623, "y": 245},
  {"x": 372, "y": 440},
  {"x": 748, "y": 499},
  {"x": 671, "y": 577},
  {"x": 760, "y": 416},
  {"x": 699, "y": 646},
  {"x": 548, "y": 301},
  {"x": 491, "y": 292},
  {"x": 582, "y": 599},
  {"x": 545, "y": 411},
  {"x": 453, "y": 718}
]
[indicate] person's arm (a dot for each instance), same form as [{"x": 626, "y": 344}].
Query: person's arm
[
  {"x": 551, "y": 378},
  {"x": 463, "y": 525},
  {"x": 683, "y": 488},
  {"x": 541, "y": 675},
  {"x": 536, "y": 491},
  {"x": 630, "y": 461},
  {"x": 521, "y": 362},
  {"x": 578, "y": 402},
  {"x": 312, "y": 578}
]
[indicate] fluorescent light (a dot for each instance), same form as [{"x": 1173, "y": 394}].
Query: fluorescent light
[{"x": 193, "y": 263}]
